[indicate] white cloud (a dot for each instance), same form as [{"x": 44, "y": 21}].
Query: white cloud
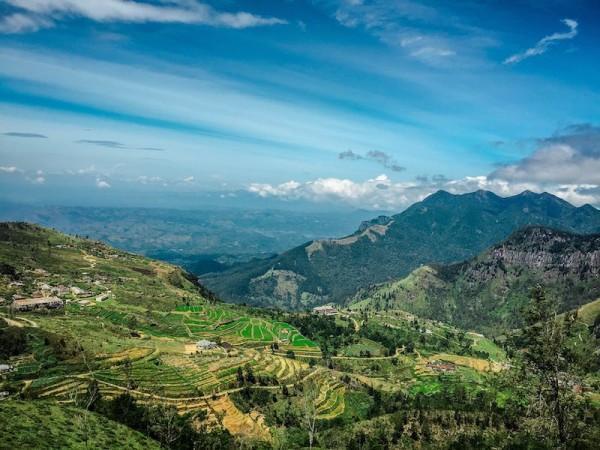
[
  {"x": 189, "y": 179},
  {"x": 377, "y": 193},
  {"x": 87, "y": 170},
  {"x": 8, "y": 169},
  {"x": 36, "y": 14},
  {"x": 401, "y": 23},
  {"x": 144, "y": 179},
  {"x": 38, "y": 179},
  {"x": 102, "y": 184},
  {"x": 23, "y": 23},
  {"x": 545, "y": 43},
  {"x": 570, "y": 157},
  {"x": 382, "y": 193}
]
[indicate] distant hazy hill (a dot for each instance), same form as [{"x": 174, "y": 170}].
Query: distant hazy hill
[
  {"x": 489, "y": 291},
  {"x": 206, "y": 240},
  {"x": 443, "y": 228}
]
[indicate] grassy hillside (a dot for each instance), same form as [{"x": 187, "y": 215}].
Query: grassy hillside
[
  {"x": 489, "y": 292},
  {"x": 129, "y": 353},
  {"x": 47, "y": 425},
  {"x": 444, "y": 228}
]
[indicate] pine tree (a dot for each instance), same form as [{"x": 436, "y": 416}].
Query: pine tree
[{"x": 553, "y": 407}]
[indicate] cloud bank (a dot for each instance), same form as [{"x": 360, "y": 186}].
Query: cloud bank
[
  {"x": 32, "y": 15},
  {"x": 545, "y": 43},
  {"x": 571, "y": 156},
  {"x": 566, "y": 164}
]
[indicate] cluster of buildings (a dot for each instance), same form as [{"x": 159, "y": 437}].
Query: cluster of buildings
[
  {"x": 31, "y": 304},
  {"x": 325, "y": 310},
  {"x": 204, "y": 345},
  {"x": 49, "y": 297},
  {"x": 441, "y": 366}
]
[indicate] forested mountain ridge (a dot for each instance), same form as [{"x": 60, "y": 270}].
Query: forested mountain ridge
[
  {"x": 488, "y": 292},
  {"x": 443, "y": 228}
]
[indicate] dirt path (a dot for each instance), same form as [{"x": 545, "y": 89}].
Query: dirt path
[
  {"x": 354, "y": 321},
  {"x": 19, "y": 322},
  {"x": 13, "y": 323},
  {"x": 91, "y": 260},
  {"x": 371, "y": 358}
]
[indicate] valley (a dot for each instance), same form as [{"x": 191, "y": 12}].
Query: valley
[
  {"x": 144, "y": 341},
  {"x": 434, "y": 359}
]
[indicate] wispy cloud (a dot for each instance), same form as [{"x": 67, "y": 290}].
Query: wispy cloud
[
  {"x": 151, "y": 149},
  {"x": 377, "y": 156},
  {"x": 37, "y": 178},
  {"x": 400, "y": 23},
  {"x": 8, "y": 169},
  {"x": 117, "y": 145},
  {"x": 32, "y": 15},
  {"x": 102, "y": 184},
  {"x": 102, "y": 143},
  {"x": 25, "y": 135},
  {"x": 545, "y": 43}
]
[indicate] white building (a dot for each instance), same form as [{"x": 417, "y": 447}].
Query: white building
[
  {"x": 203, "y": 345},
  {"x": 325, "y": 310},
  {"x": 6, "y": 368}
]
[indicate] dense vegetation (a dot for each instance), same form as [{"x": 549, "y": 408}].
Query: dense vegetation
[{"x": 489, "y": 291}]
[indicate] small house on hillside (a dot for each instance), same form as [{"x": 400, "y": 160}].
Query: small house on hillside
[
  {"x": 204, "y": 345},
  {"x": 5, "y": 368},
  {"x": 441, "y": 366},
  {"x": 30, "y": 304},
  {"x": 104, "y": 296},
  {"x": 226, "y": 346},
  {"x": 325, "y": 310},
  {"x": 77, "y": 291}
]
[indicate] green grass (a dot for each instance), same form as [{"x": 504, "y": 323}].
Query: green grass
[
  {"x": 45, "y": 425},
  {"x": 486, "y": 345},
  {"x": 364, "y": 345},
  {"x": 589, "y": 312}
]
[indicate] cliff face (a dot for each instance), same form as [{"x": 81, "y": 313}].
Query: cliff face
[
  {"x": 489, "y": 291},
  {"x": 551, "y": 252}
]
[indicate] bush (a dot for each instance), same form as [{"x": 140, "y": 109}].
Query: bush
[{"x": 13, "y": 341}]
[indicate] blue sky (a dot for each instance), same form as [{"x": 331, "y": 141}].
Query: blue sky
[{"x": 371, "y": 104}]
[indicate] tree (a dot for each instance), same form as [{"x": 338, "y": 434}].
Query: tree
[
  {"x": 553, "y": 409},
  {"x": 240, "y": 376},
  {"x": 309, "y": 409},
  {"x": 165, "y": 424}
]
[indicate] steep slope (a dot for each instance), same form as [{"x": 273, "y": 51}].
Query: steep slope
[
  {"x": 49, "y": 425},
  {"x": 488, "y": 292},
  {"x": 443, "y": 228},
  {"x": 37, "y": 260}
]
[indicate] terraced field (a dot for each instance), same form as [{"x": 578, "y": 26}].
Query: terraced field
[
  {"x": 205, "y": 321},
  {"x": 330, "y": 402}
]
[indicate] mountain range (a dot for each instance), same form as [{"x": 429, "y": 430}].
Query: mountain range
[{"x": 442, "y": 229}]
